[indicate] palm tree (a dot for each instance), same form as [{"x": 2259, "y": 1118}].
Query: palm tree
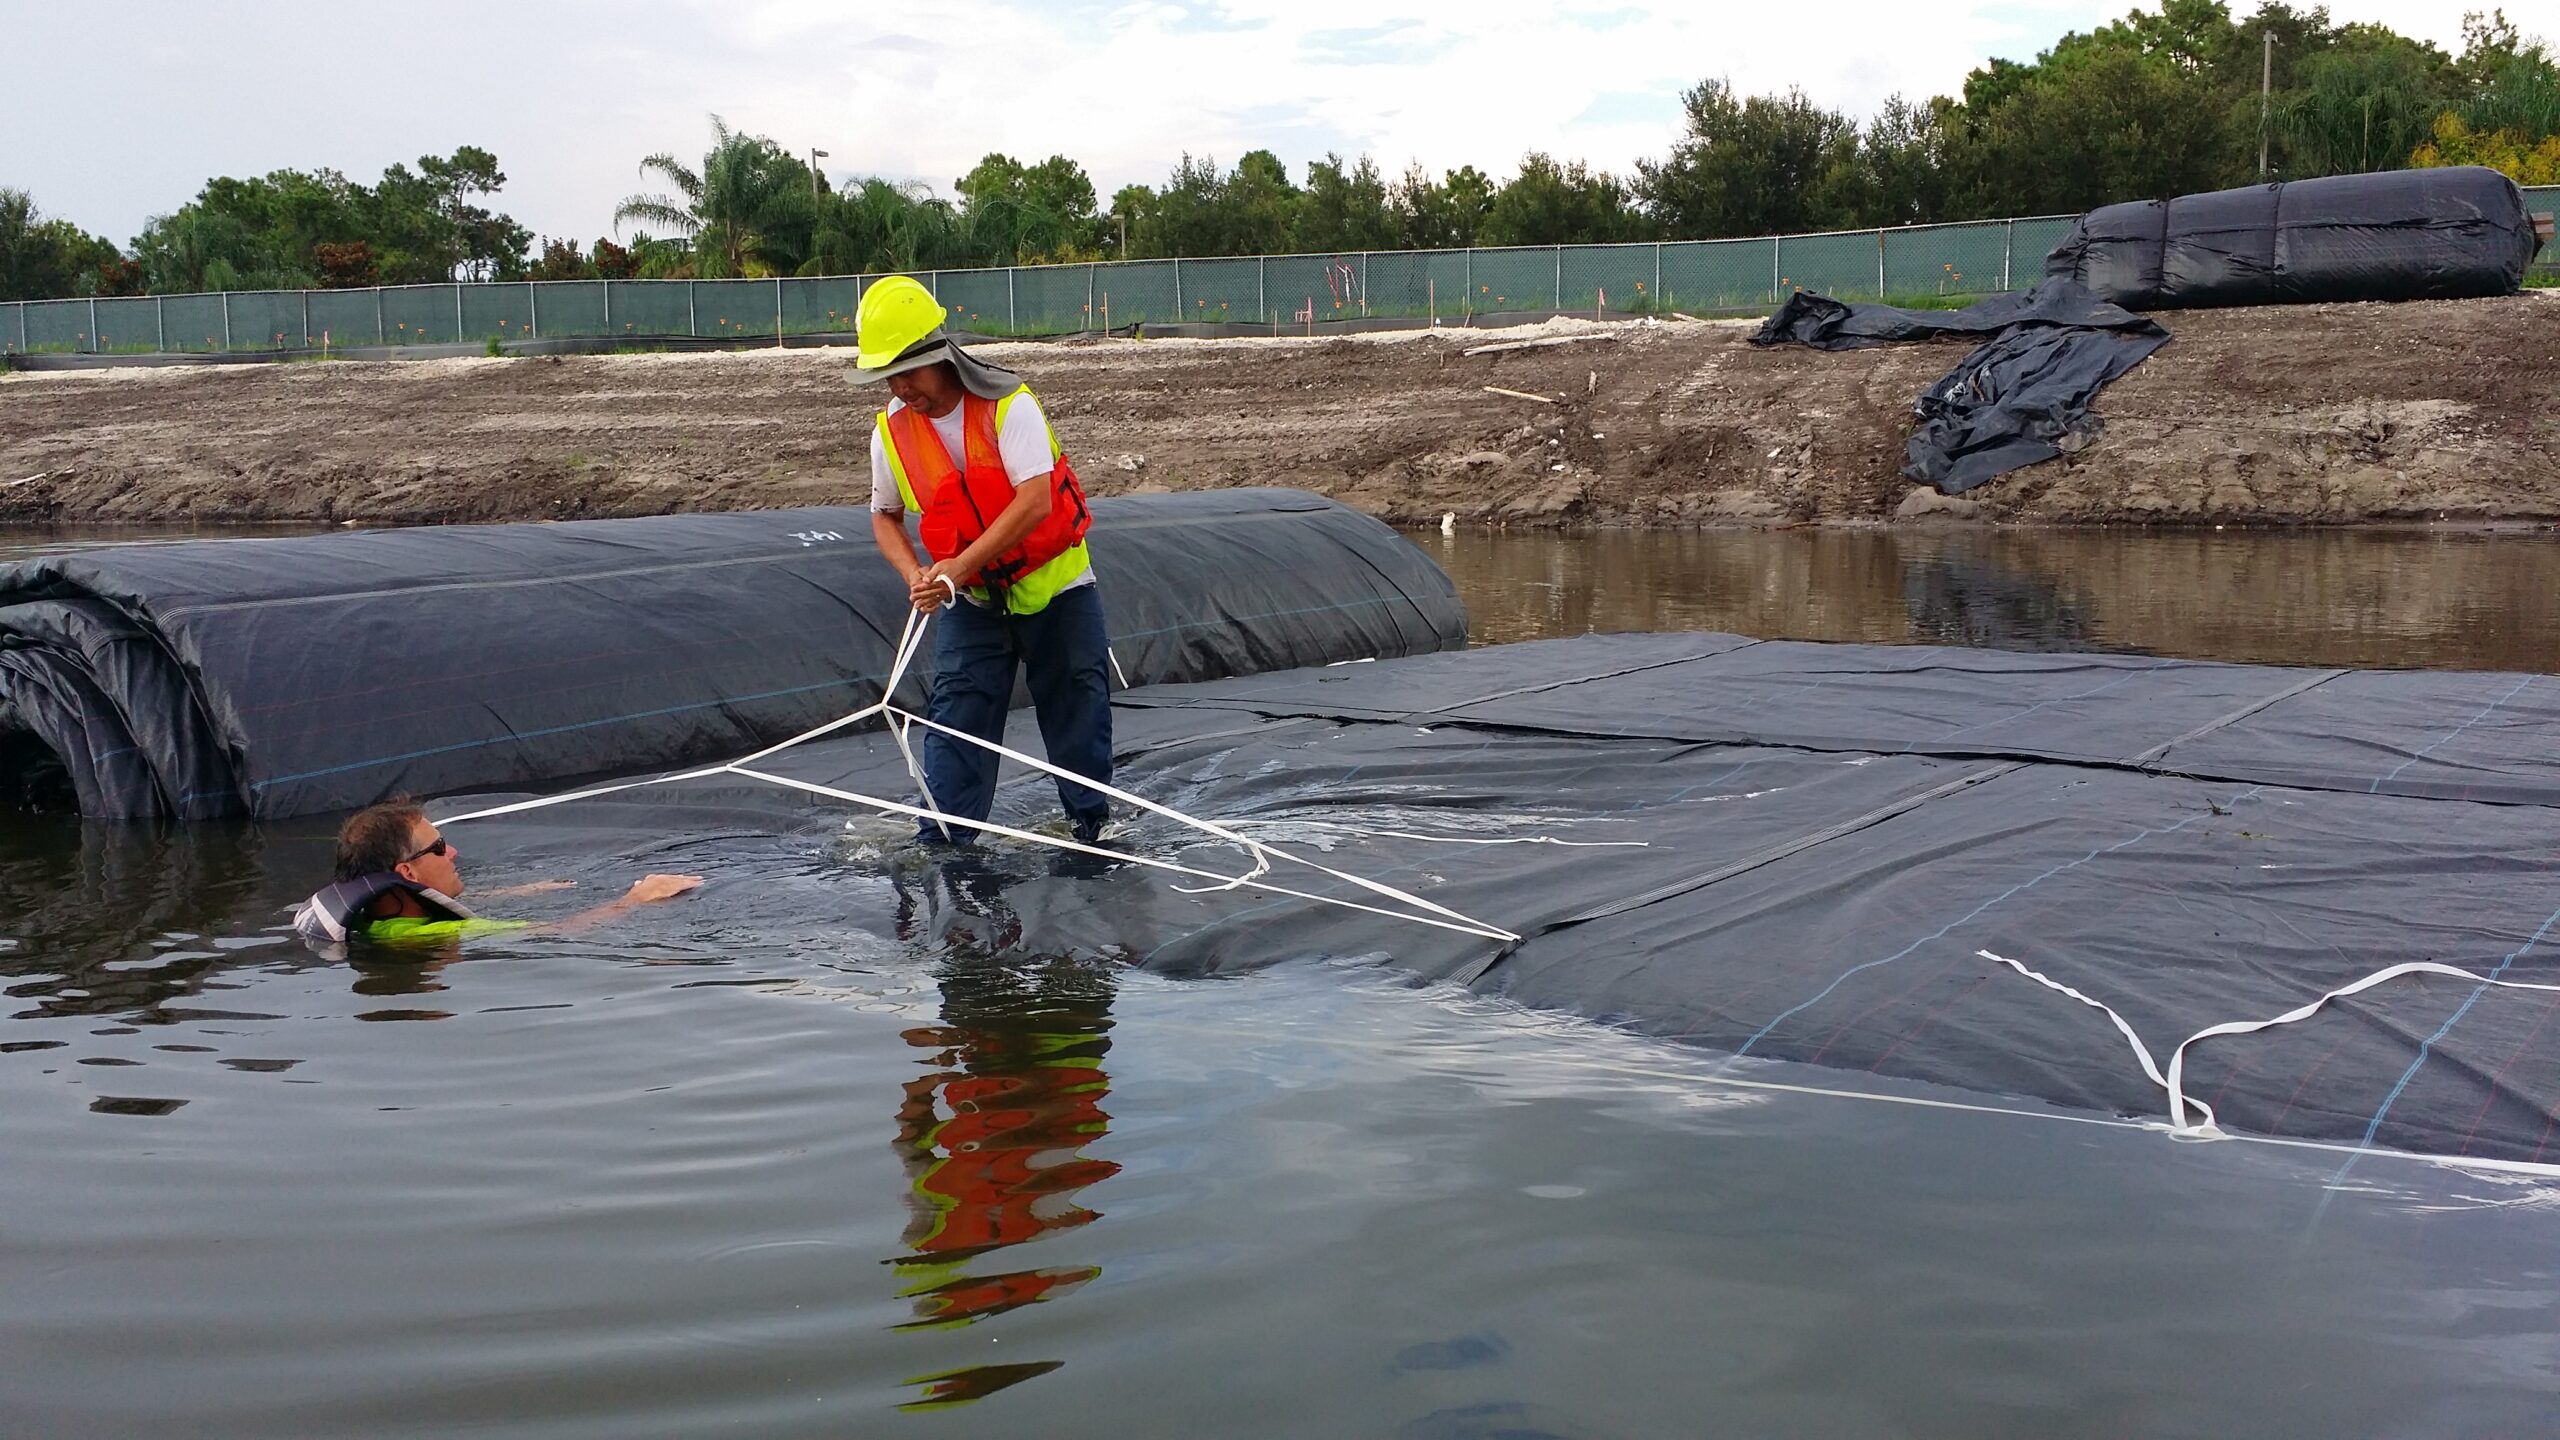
[
  {"x": 2521, "y": 95},
  {"x": 2359, "y": 111},
  {"x": 750, "y": 210},
  {"x": 879, "y": 225},
  {"x": 1008, "y": 231},
  {"x": 655, "y": 257}
]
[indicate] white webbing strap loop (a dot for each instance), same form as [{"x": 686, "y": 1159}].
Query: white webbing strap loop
[
  {"x": 899, "y": 721},
  {"x": 2173, "y": 1082}
]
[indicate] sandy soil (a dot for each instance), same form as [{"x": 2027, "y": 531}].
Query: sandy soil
[{"x": 2333, "y": 413}]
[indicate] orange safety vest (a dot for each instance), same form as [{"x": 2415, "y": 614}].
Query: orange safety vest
[{"x": 958, "y": 503}]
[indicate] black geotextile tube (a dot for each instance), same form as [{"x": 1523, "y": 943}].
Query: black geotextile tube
[
  {"x": 278, "y": 677},
  {"x": 2440, "y": 234},
  {"x": 2021, "y": 397}
]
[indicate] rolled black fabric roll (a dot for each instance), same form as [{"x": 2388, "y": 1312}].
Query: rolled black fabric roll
[
  {"x": 2440, "y": 234},
  {"x": 292, "y": 676}
]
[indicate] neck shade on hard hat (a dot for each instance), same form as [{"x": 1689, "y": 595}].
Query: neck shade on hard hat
[{"x": 987, "y": 382}]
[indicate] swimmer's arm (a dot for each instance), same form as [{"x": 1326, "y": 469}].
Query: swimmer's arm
[
  {"x": 536, "y": 887},
  {"x": 647, "y": 890},
  {"x": 415, "y": 930}
]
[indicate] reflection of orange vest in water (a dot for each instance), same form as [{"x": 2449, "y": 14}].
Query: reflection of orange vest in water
[
  {"x": 971, "y": 1298},
  {"x": 958, "y": 503},
  {"x": 1008, "y": 1170}
]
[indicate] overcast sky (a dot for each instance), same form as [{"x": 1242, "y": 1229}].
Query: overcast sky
[{"x": 118, "y": 122}]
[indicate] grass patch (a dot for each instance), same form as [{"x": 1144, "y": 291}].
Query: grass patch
[
  {"x": 1931, "y": 300},
  {"x": 73, "y": 347}
]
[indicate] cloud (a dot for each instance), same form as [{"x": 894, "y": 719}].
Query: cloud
[
  {"x": 1210, "y": 20},
  {"x": 570, "y": 96},
  {"x": 1631, "y": 107},
  {"x": 1397, "y": 42}
]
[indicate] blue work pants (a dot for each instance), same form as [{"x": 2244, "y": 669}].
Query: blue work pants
[{"x": 1065, "y": 656}]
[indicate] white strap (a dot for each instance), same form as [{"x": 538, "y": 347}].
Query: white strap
[
  {"x": 2173, "y": 1083},
  {"x": 899, "y": 721}
]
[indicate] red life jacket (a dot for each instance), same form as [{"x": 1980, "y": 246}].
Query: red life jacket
[{"x": 958, "y": 504}]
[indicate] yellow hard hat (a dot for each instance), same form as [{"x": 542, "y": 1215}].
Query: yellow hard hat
[{"x": 895, "y": 313}]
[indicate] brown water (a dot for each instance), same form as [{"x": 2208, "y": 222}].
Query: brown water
[
  {"x": 2457, "y": 599},
  {"x": 675, "y": 1178}
]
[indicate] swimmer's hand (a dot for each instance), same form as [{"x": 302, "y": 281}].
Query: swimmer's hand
[{"x": 651, "y": 888}]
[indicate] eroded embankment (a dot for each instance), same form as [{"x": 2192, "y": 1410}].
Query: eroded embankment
[{"x": 2324, "y": 414}]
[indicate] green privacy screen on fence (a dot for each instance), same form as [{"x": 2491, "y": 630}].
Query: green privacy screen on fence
[{"x": 1973, "y": 258}]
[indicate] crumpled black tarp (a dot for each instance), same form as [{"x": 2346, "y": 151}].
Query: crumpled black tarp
[
  {"x": 2021, "y": 397},
  {"x": 292, "y": 676},
  {"x": 2436, "y": 234},
  {"x": 1794, "y": 851},
  {"x": 1817, "y": 320}
]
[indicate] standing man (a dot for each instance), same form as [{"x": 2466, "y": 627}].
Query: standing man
[{"x": 966, "y": 446}]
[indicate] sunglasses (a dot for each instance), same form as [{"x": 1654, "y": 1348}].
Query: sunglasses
[{"x": 441, "y": 847}]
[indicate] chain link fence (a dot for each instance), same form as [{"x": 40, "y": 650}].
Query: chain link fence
[{"x": 1281, "y": 291}]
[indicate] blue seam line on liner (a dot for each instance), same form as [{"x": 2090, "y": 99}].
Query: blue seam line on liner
[
  {"x": 2418, "y": 1062},
  {"x": 2011, "y": 719},
  {"x": 742, "y": 699},
  {"x": 2374, "y": 1126},
  {"x": 1762, "y": 1033},
  {"x": 2517, "y": 689}
]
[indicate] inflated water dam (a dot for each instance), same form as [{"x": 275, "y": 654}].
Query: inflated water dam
[{"x": 277, "y": 677}]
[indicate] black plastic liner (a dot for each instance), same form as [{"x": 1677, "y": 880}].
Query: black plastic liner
[
  {"x": 1818, "y": 320},
  {"x": 2022, "y": 397},
  {"x": 1831, "y": 836},
  {"x": 2435, "y": 234},
  {"x": 280, "y": 677}
]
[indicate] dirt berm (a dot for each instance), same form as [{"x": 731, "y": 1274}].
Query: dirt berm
[{"x": 2326, "y": 413}]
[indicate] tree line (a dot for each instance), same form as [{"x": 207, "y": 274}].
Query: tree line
[{"x": 2155, "y": 104}]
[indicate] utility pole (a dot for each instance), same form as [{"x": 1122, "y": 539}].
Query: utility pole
[
  {"x": 816, "y": 155},
  {"x": 2266, "y": 93}
]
